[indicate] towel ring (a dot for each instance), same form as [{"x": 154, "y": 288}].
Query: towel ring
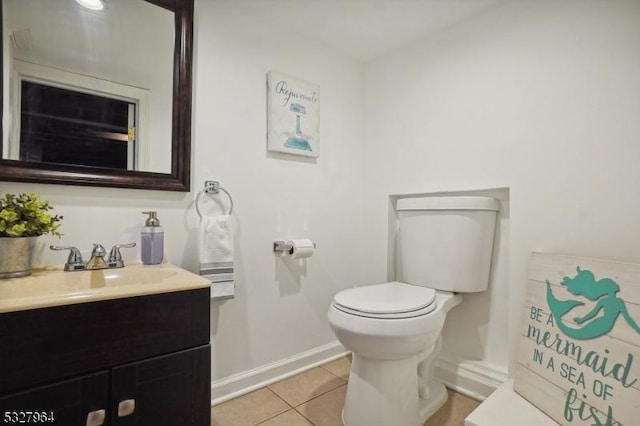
[{"x": 212, "y": 187}]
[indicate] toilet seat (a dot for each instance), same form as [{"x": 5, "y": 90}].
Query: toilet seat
[{"x": 392, "y": 300}]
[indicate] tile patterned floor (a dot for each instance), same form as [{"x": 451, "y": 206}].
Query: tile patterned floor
[{"x": 315, "y": 398}]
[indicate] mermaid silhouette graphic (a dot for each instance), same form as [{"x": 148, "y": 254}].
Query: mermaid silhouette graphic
[{"x": 591, "y": 324}]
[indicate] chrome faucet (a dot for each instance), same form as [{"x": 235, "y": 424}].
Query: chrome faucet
[
  {"x": 97, "y": 261},
  {"x": 97, "y": 258}
]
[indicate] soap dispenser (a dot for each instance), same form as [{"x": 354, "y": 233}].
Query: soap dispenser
[{"x": 152, "y": 240}]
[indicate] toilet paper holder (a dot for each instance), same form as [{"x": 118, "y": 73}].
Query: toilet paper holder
[{"x": 284, "y": 246}]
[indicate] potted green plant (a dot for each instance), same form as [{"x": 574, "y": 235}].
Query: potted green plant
[{"x": 23, "y": 218}]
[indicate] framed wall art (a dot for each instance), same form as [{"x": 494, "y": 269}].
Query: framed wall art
[{"x": 293, "y": 108}]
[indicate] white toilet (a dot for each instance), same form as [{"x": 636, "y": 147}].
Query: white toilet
[{"x": 393, "y": 329}]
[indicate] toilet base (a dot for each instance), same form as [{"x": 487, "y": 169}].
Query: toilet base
[
  {"x": 385, "y": 392},
  {"x": 438, "y": 398}
]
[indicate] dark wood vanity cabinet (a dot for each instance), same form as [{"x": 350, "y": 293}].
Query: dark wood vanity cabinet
[{"x": 142, "y": 361}]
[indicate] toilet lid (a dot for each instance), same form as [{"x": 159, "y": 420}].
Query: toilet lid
[{"x": 388, "y": 300}]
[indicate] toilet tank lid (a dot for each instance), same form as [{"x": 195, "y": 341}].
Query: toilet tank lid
[{"x": 448, "y": 203}]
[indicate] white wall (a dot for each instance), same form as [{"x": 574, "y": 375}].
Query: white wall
[
  {"x": 280, "y": 308},
  {"x": 540, "y": 97}
]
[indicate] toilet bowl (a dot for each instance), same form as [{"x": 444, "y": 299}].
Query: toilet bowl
[
  {"x": 391, "y": 378},
  {"x": 394, "y": 329}
]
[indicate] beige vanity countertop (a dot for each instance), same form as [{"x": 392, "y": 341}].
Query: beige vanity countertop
[{"x": 51, "y": 286}]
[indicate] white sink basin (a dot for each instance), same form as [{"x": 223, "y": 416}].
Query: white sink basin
[{"x": 54, "y": 287}]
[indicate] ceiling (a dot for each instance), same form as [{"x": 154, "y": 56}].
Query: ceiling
[{"x": 364, "y": 29}]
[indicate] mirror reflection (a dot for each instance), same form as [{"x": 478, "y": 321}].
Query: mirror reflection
[{"x": 88, "y": 87}]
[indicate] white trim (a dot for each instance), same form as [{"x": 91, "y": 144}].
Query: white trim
[
  {"x": 7, "y": 60},
  {"x": 239, "y": 384},
  {"x": 475, "y": 379}
]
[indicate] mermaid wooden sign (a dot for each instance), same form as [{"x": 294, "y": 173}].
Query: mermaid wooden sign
[{"x": 579, "y": 349}]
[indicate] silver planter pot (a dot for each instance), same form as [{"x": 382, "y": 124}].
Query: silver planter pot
[{"x": 16, "y": 255}]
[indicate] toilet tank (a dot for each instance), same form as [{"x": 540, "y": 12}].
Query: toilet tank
[{"x": 446, "y": 242}]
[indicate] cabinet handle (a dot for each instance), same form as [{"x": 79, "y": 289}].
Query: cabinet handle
[
  {"x": 96, "y": 418},
  {"x": 126, "y": 407}
]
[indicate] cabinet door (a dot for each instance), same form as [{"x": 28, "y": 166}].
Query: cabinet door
[
  {"x": 168, "y": 390},
  {"x": 76, "y": 402}
]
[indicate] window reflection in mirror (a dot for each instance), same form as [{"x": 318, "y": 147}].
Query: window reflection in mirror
[{"x": 64, "y": 126}]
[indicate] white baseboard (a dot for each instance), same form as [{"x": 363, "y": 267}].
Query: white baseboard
[
  {"x": 476, "y": 379},
  {"x": 239, "y": 384}
]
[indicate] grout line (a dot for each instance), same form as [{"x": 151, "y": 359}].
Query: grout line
[
  {"x": 322, "y": 394},
  {"x": 277, "y": 414},
  {"x": 331, "y": 372},
  {"x": 344, "y": 382},
  {"x": 307, "y": 418},
  {"x": 279, "y": 397},
  {"x": 302, "y": 414}
]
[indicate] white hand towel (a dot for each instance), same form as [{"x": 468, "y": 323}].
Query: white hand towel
[{"x": 216, "y": 255}]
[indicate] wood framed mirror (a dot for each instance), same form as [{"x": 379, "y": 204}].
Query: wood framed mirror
[{"x": 174, "y": 174}]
